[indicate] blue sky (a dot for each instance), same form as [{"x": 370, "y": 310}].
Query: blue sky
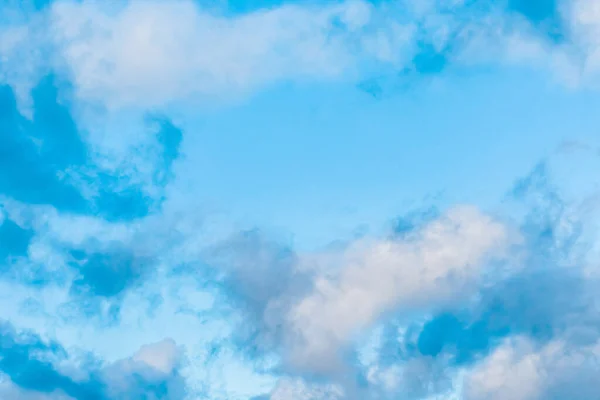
[{"x": 273, "y": 200}]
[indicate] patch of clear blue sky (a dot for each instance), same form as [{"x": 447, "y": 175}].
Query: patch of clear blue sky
[{"x": 320, "y": 161}]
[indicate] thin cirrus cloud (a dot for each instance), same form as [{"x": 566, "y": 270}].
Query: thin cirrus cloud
[{"x": 109, "y": 269}]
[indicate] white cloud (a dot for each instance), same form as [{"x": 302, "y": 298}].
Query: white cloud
[
  {"x": 296, "y": 389},
  {"x": 162, "y": 356},
  {"x": 155, "y": 363},
  {"x": 359, "y": 285},
  {"x": 584, "y": 21},
  {"x": 523, "y": 370},
  {"x": 150, "y": 53},
  {"x": 418, "y": 378},
  {"x": 574, "y": 61},
  {"x": 508, "y": 375},
  {"x": 23, "y": 60}
]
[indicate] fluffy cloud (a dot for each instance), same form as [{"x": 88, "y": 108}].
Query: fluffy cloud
[
  {"x": 445, "y": 307},
  {"x": 511, "y": 306},
  {"x": 162, "y": 356},
  {"x": 152, "y": 372},
  {"x": 441, "y": 262},
  {"x": 151, "y": 54},
  {"x": 146, "y": 53},
  {"x": 313, "y": 307},
  {"x": 520, "y": 370}
]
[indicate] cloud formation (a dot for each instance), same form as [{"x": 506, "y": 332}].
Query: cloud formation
[
  {"x": 119, "y": 288},
  {"x": 152, "y": 54},
  {"x": 35, "y": 366},
  {"x": 438, "y": 264}
]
